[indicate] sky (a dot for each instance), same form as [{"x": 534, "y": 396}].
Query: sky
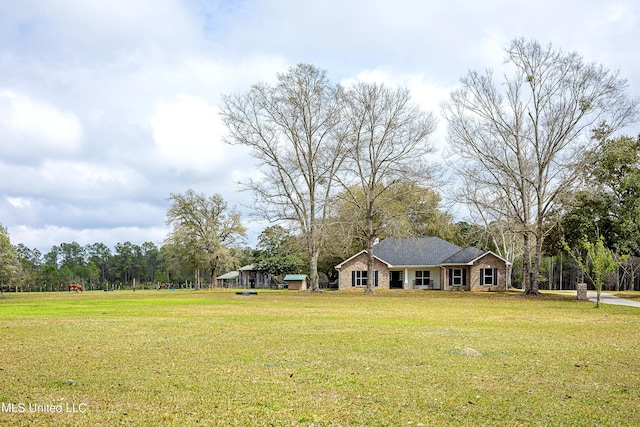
[{"x": 109, "y": 106}]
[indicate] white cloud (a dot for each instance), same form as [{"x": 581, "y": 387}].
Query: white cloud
[
  {"x": 19, "y": 202},
  {"x": 188, "y": 134},
  {"x": 100, "y": 29},
  {"x": 70, "y": 180},
  {"x": 424, "y": 92},
  {"x": 30, "y": 128},
  {"x": 231, "y": 75}
]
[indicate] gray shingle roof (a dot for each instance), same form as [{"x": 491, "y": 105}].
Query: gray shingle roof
[
  {"x": 465, "y": 256},
  {"x": 423, "y": 251}
]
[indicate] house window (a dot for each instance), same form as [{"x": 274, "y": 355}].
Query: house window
[
  {"x": 423, "y": 278},
  {"x": 359, "y": 278},
  {"x": 488, "y": 276},
  {"x": 456, "y": 277}
]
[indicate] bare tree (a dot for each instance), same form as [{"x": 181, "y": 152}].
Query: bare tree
[
  {"x": 495, "y": 215},
  {"x": 293, "y": 130},
  {"x": 387, "y": 137},
  {"x": 630, "y": 273},
  {"x": 204, "y": 225},
  {"x": 523, "y": 141}
]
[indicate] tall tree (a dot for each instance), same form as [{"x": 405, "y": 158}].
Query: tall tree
[
  {"x": 293, "y": 129},
  {"x": 522, "y": 142},
  {"x": 53, "y": 257},
  {"x": 410, "y": 209},
  {"x": 387, "y": 140},
  {"x": 150, "y": 255},
  {"x": 277, "y": 251},
  {"x": 123, "y": 260},
  {"x": 495, "y": 218},
  {"x": 100, "y": 254},
  {"x": 10, "y": 267},
  {"x": 609, "y": 204},
  {"x": 72, "y": 256},
  {"x": 31, "y": 260},
  {"x": 413, "y": 209},
  {"x": 92, "y": 273},
  {"x": 174, "y": 262},
  {"x": 614, "y": 173},
  {"x": 207, "y": 224}
]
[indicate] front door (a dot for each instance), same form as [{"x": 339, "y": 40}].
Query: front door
[{"x": 395, "y": 280}]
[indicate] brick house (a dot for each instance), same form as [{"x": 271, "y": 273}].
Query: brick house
[{"x": 425, "y": 263}]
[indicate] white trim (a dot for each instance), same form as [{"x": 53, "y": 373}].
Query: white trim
[
  {"x": 361, "y": 281},
  {"x": 416, "y": 266},
  {"x": 364, "y": 251},
  {"x": 470, "y": 263},
  {"x": 487, "y": 253},
  {"x": 454, "y": 277}
]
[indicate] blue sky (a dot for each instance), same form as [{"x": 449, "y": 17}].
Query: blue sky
[{"x": 106, "y": 107}]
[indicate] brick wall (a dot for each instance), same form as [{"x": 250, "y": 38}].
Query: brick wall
[
  {"x": 359, "y": 263},
  {"x": 488, "y": 261},
  {"x": 446, "y": 272}
]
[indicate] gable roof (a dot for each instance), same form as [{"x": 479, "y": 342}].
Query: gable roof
[
  {"x": 337, "y": 267},
  {"x": 419, "y": 251},
  {"x": 465, "y": 256},
  {"x": 228, "y": 276},
  {"x": 422, "y": 252},
  {"x": 490, "y": 253}
]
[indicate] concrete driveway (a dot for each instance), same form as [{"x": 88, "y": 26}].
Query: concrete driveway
[{"x": 611, "y": 299}]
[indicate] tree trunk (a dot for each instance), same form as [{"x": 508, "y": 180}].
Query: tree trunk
[
  {"x": 370, "y": 238},
  {"x": 213, "y": 266},
  {"x": 370, "y": 272},
  {"x": 313, "y": 272},
  {"x": 526, "y": 258},
  {"x": 535, "y": 271},
  {"x": 313, "y": 251}
]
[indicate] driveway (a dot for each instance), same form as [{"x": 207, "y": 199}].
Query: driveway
[{"x": 611, "y": 299}]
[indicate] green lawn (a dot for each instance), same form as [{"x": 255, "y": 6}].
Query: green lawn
[{"x": 280, "y": 358}]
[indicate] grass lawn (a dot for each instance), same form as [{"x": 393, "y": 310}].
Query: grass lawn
[{"x": 280, "y": 358}]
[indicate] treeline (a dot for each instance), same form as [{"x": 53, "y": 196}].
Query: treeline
[
  {"x": 95, "y": 266},
  {"x": 194, "y": 256},
  {"x": 534, "y": 158}
]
